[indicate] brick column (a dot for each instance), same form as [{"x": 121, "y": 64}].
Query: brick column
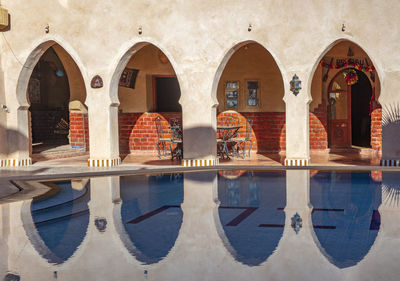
[
  {"x": 376, "y": 129},
  {"x": 78, "y": 130}
]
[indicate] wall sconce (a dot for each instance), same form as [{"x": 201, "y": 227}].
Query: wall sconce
[
  {"x": 47, "y": 28},
  {"x": 295, "y": 85},
  {"x": 343, "y": 27},
  {"x": 250, "y": 27},
  {"x": 140, "y": 30},
  {"x": 5, "y": 108}
]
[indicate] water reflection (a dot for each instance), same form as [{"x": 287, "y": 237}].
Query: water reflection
[
  {"x": 251, "y": 212},
  {"x": 207, "y": 226},
  {"x": 151, "y": 214},
  {"x": 345, "y": 215},
  {"x": 60, "y": 219}
]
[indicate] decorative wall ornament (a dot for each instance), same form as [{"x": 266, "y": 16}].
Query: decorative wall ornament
[
  {"x": 350, "y": 76},
  {"x": 97, "y": 82},
  {"x": 101, "y": 224},
  {"x": 231, "y": 94},
  {"x": 295, "y": 85},
  {"x": 253, "y": 93},
  {"x": 297, "y": 222},
  {"x": 128, "y": 78},
  {"x": 356, "y": 63},
  {"x": 350, "y": 52}
]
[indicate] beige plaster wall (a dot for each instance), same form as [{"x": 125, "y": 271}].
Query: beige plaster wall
[
  {"x": 253, "y": 62},
  {"x": 3, "y": 119},
  {"x": 150, "y": 61},
  {"x": 196, "y": 36}
]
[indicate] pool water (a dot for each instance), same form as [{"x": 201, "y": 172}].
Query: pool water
[{"x": 226, "y": 225}]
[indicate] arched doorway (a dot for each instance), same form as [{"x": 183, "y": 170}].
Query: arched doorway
[
  {"x": 349, "y": 122},
  {"x": 345, "y": 115},
  {"x": 58, "y": 117},
  {"x": 148, "y": 88},
  {"x": 251, "y": 88},
  {"x": 48, "y": 93}
]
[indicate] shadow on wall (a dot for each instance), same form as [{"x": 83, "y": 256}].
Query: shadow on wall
[
  {"x": 12, "y": 138},
  {"x": 137, "y": 131},
  {"x": 391, "y": 131},
  {"x": 268, "y": 132}
]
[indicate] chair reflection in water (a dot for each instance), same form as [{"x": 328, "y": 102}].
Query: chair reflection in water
[{"x": 169, "y": 140}]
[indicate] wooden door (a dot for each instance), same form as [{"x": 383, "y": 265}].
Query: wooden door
[{"x": 339, "y": 112}]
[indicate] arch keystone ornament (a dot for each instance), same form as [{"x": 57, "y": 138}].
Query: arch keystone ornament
[{"x": 97, "y": 82}]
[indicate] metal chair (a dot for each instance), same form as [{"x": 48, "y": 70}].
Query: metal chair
[
  {"x": 247, "y": 139},
  {"x": 163, "y": 143},
  {"x": 227, "y": 132},
  {"x": 176, "y": 139}
]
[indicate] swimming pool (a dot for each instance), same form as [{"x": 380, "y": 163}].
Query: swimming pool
[{"x": 226, "y": 225}]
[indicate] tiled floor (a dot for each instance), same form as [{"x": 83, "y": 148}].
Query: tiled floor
[{"x": 318, "y": 158}]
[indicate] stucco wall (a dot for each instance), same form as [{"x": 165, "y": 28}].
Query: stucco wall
[{"x": 197, "y": 37}]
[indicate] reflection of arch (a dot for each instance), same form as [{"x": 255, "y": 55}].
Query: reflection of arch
[
  {"x": 250, "y": 218},
  {"x": 149, "y": 217},
  {"x": 55, "y": 223},
  {"x": 345, "y": 216}
]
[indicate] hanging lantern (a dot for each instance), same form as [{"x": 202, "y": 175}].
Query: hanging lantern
[{"x": 295, "y": 85}]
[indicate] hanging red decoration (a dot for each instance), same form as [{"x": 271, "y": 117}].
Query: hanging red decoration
[
  {"x": 350, "y": 76},
  {"x": 346, "y": 63}
]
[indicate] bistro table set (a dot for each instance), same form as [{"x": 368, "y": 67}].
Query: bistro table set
[{"x": 229, "y": 143}]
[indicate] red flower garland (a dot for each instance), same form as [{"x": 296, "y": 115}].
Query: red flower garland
[{"x": 348, "y": 62}]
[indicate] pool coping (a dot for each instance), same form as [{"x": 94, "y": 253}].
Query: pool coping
[{"x": 66, "y": 172}]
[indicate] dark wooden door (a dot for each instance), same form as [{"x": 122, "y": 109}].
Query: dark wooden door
[{"x": 339, "y": 113}]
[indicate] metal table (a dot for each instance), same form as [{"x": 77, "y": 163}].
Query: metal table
[{"x": 226, "y": 133}]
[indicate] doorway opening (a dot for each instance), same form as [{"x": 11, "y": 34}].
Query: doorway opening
[
  {"x": 167, "y": 94},
  {"x": 58, "y": 121},
  {"x": 49, "y": 95},
  {"x": 349, "y": 111}
]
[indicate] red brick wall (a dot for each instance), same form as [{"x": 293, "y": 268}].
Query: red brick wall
[
  {"x": 376, "y": 129},
  {"x": 79, "y": 130},
  {"x": 137, "y": 131},
  {"x": 268, "y": 133},
  {"x": 319, "y": 127}
]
